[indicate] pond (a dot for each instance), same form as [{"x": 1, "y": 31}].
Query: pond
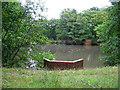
[{"x": 90, "y": 54}]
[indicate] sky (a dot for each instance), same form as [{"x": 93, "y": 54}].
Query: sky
[{"x": 56, "y": 6}]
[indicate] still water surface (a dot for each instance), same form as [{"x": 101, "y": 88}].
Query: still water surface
[{"x": 90, "y": 54}]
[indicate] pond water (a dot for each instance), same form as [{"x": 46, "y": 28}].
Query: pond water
[{"x": 90, "y": 54}]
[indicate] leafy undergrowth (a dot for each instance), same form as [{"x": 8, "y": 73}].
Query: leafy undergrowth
[{"x": 106, "y": 77}]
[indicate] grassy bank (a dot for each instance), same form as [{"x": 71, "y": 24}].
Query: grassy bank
[{"x": 106, "y": 77}]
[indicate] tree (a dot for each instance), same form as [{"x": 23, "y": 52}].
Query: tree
[
  {"x": 109, "y": 34},
  {"x": 49, "y": 27},
  {"x": 95, "y": 16},
  {"x": 64, "y": 28},
  {"x": 19, "y": 33},
  {"x": 79, "y": 26}
]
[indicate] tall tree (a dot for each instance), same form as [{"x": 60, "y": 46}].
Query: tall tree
[
  {"x": 95, "y": 16},
  {"x": 79, "y": 26},
  {"x": 49, "y": 27},
  {"x": 19, "y": 33},
  {"x": 109, "y": 34},
  {"x": 64, "y": 28}
]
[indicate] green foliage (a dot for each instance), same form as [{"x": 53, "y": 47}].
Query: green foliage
[
  {"x": 19, "y": 32},
  {"x": 65, "y": 28},
  {"x": 74, "y": 26},
  {"x": 49, "y": 27},
  {"x": 79, "y": 26},
  {"x": 39, "y": 57},
  {"x": 109, "y": 34},
  {"x": 94, "y": 16}
]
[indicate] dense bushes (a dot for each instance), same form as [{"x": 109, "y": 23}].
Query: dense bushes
[{"x": 109, "y": 33}]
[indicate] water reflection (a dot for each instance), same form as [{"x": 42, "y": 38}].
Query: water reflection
[{"x": 90, "y": 54}]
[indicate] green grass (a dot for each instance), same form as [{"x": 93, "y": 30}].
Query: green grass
[{"x": 106, "y": 77}]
